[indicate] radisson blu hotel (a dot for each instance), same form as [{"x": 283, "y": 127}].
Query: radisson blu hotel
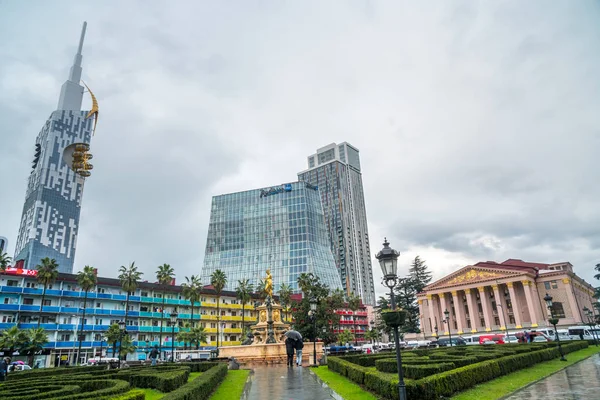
[{"x": 281, "y": 228}]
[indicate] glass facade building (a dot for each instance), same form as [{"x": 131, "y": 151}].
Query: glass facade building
[
  {"x": 281, "y": 228},
  {"x": 336, "y": 170}
]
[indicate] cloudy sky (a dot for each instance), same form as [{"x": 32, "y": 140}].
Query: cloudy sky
[{"x": 477, "y": 122}]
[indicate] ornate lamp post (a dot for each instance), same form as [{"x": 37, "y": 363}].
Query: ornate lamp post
[
  {"x": 313, "y": 316},
  {"x": 122, "y": 332},
  {"x": 554, "y": 321},
  {"x": 447, "y": 321},
  {"x": 388, "y": 260},
  {"x": 590, "y": 317},
  {"x": 173, "y": 317}
]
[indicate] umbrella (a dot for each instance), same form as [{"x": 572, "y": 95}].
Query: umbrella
[{"x": 293, "y": 335}]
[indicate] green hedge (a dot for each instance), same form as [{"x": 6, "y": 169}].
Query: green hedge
[
  {"x": 202, "y": 387},
  {"x": 136, "y": 394},
  {"x": 164, "y": 381},
  {"x": 445, "y": 384},
  {"x": 42, "y": 372},
  {"x": 93, "y": 389}
]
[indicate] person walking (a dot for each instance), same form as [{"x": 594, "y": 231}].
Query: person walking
[
  {"x": 154, "y": 355},
  {"x": 299, "y": 345},
  {"x": 4, "y": 368},
  {"x": 289, "y": 349}
]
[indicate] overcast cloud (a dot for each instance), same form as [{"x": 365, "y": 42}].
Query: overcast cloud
[{"x": 477, "y": 122}]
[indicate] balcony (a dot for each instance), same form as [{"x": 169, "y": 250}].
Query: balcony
[{"x": 9, "y": 307}]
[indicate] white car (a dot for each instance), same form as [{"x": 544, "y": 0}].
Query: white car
[
  {"x": 540, "y": 339},
  {"x": 511, "y": 339},
  {"x": 15, "y": 368}
]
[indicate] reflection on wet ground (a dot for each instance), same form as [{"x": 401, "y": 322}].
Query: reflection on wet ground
[
  {"x": 580, "y": 381},
  {"x": 284, "y": 383}
]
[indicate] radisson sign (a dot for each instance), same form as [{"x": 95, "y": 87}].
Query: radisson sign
[{"x": 276, "y": 190}]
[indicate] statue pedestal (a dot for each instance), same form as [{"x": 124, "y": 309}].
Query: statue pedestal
[
  {"x": 269, "y": 353},
  {"x": 269, "y": 312}
]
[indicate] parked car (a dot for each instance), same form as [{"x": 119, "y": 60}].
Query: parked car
[
  {"x": 511, "y": 339},
  {"x": 19, "y": 367},
  {"x": 487, "y": 342},
  {"x": 455, "y": 342},
  {"x": 498, "y": 339},
  {"x": 540, "y": 339},
  {"x": 471, "y": 340}
]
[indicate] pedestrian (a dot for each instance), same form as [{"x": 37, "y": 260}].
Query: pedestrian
[
  {"x": 4, "y": 368},
  {"x": 527, "y": 336},
  {"x": 154, "y": 355},
  {"x": 580, "y": 335},
  {"x": 289, "y": 349},
  {"x": 299, "y": 345}
]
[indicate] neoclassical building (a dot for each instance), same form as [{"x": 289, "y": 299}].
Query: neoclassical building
[{"x": 491, "y": 297}]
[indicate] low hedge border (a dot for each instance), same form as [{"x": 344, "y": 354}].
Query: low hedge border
[
  {"x": 202, "y": 387},
  {"x": 445, "y": 384}
]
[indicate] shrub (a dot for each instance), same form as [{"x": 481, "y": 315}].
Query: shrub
[
  {"x": 164, "y": 381},
  {"x": 201, "y": 387}
]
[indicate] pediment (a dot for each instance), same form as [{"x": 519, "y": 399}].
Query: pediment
[{"x": 472, "y": 274}]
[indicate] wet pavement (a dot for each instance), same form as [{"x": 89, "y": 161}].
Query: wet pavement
[
  {"x": 580, "y": 381},
  {"x": 283, "y": 383}
]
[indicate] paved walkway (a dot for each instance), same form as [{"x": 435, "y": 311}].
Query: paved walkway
[
  {"x": 283, "y": 383},
  {"x": 580, "y": 381}
]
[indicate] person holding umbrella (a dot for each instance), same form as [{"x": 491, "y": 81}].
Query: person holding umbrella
[
  {"x": 299, "y": 346},
  {"x": 291, "y": 337}
]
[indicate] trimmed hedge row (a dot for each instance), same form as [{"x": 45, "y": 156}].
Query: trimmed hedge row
[
  {"x": 446, "y": 383},
  {"x": 159, "y": 380},
  {"x": 202, "y": 387},
  {"x": 42, "y": 372}
]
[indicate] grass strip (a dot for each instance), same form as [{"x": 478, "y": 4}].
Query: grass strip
[
  {"x": 194, "y": 375},
  {"x": 153, "y": 394},
  {"x": 342, "y": 385},
  {"x": 510, "y": 383},
  {"x": 233, "y": 385}
]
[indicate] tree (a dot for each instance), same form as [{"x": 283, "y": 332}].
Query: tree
[
  {"x": 129, "y": 278},
  {"x": 353, "y": 305},
  {"x": 372, "y": 335},
  {"x": 113, "y": 336},
  {"x": 12, "y": 339},
  {"x": 36, "y": 339},
  {"x": 302, "y": 323},
  {"x": 164, "y": 275},
  {"x": 47, "y": 274},
  {"x": 260, "y": 290},
  {"x": 185, "y": 335},
  {"x": 406, "y": 299},
  {"x": 198, "y": 335},
  {"x": 597, "y": 268},
  {"x": 345, "y": 337},
  {"x": 285, "y": 297},
  {"x": 336, "y": 301},
  {"x": 4, "y": 261},
  {"x": 192, "y": 291},
  {"x": 218, "y": 280},
  {"x": 419, "y": 274},
  {"x": 86, "y": 280},
  {"x": 242, "y": 291}
]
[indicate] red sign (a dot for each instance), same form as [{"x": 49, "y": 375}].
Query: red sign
[{"x": 21, "y": 271}]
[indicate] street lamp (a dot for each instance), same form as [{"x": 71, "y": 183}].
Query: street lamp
[
  {"x": 590, "y": 316},
  {"x": 313, "y": 316},
  {"x": 388, "y": 260},
  {"x": 173, "y": 323},
  {"x": 554, "y": 321},
  {"x": 447, "y": 321},
  {"x": 122, "y": 331}
]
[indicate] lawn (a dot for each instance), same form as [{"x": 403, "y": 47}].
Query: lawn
[
  {"x": 233, "y": 385},
  {"x": 342, "y": 386},
  {"x": 507, "y": 384}
]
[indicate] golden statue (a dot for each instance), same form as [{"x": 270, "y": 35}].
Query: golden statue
[
  {"x": 276, "y": 316},
  {"x": 269, "y": 284},
  {"x": 263, "y": 316}
]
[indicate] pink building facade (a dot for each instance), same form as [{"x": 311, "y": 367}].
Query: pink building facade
[{"x": 493, "y": 297}]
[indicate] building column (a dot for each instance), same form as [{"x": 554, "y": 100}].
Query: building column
[
  {"x": 572, "y": 301},
  {"x": 500, "y": 307},
  {"x": 432, "y": 318},
  {"x": 473, "y": 311},
  {"x": 531, "y": 305},
  {"x": 487, "y": 308},
  {"x": 421, "y": 313},
  {"x": 516, "y": 307},
  {"x": 459, "y": 311},
  {"x": 444, "y": 307}
]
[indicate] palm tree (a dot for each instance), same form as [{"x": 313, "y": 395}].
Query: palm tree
[
  {"x": 36, "y": 340},
  {"x": 164, "y": 275},
  {"x": 218, "y": 280},
  {"x": 192, "y": 291},
  {"x": 129, "y": 277},
  {"x": 285, "y": 297},
  {"x": 305, "y": 282},
  {"x": 113, "y": 335},
  {"x": 354, "y": 304},
  {"x": 597, "y": 268},
  {"x": 13, "y": 338},
  {"x": 260, "y": 290},
  {"x": 47, "y": 274},
  {"x": 197, "y": 335},
  {"x": 4, "y": 261},
  {"x": 87, "y": 280},
  {"x": 243, "y": 290},
  {"x": 372, "y": 335}
]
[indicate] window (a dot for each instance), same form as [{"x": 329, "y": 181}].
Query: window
[
  {"x": 141, "y": 337},
  {"x": 233, "y": 326},
  {"x": 65, "y": 337},
  {"x": 28, "y": 301},
  {"x": 98, "y": 305},
  {"x": 213, "y": 338},
  {"x": 98, "y": 321},
  {"x": 7, "y": 318},
  {"x": 554, "y": 285},
  {"x": 100, "y": 290},
  {"x": 213, "y": 325},
  {"x": 557, "y": 310},
  {"x": 144, "y": 294},
  {"x": 496, "y": 321},
  {"x": 547, "y": 285},
  {"x": 31, "y": 285},
  {"x": 482, "y": 322},
  {"x": 233, "y": 314},
  {"x": 11, "y": 282},
  {"x": 6, "y": 300},
  {"x": 47, "y": 302},
  {"x": 98, "y": 337}
]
